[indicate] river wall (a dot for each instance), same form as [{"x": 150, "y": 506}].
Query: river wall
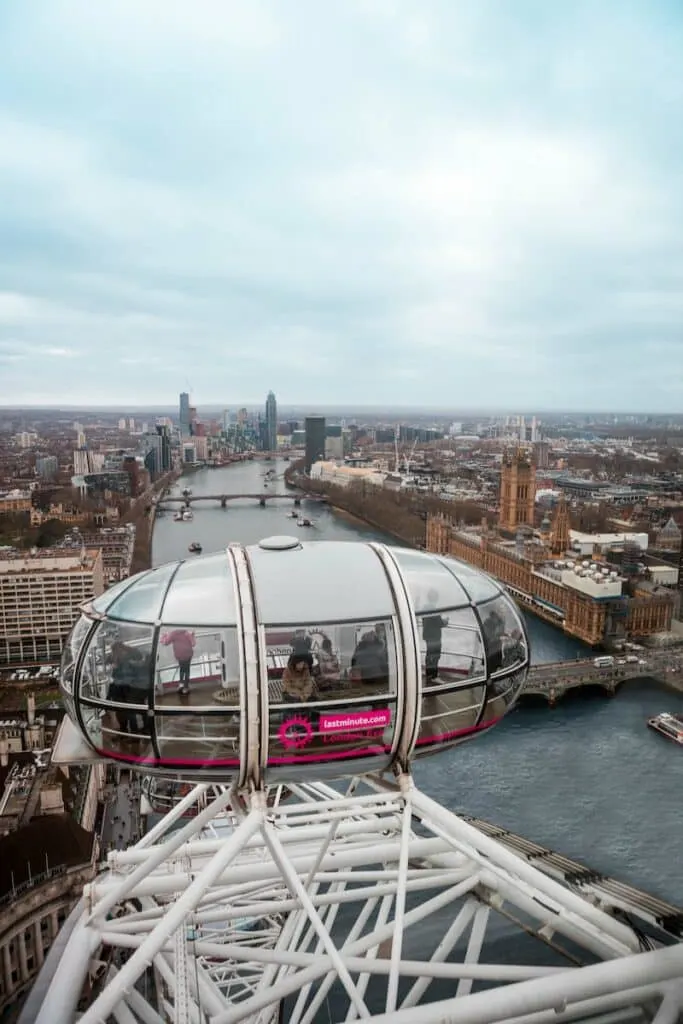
[{"x": 142, "y": 514}]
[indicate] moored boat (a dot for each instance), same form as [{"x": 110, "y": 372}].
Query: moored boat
[
  {"x": 195, "y": 547},
  {"x": 668, "y": 725}
]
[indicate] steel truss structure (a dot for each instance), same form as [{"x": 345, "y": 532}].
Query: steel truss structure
[{"x": 310, "y": 904}]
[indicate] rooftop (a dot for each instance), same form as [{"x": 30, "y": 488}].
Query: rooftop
[
  {"x": 47, "y": 842},
  {"x": 49, "y": 560}
]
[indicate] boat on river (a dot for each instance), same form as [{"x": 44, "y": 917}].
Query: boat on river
[
  {"x": 669, "y": 725},
  {"x": 195, "y": 547}
]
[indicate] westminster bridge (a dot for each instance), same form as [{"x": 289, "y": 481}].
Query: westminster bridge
[{"x": 554, "y": 679}]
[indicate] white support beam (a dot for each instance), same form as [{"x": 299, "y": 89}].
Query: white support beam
[
  {"x": 143, "y": 956},
  {"x": 498, "y": 1005},
  {"x": 300, "y": 897}
]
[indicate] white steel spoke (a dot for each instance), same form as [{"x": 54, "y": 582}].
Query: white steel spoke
[{"x": 315, "y": 905}]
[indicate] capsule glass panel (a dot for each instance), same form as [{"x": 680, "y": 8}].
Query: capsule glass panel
[
  {"x": 478, "y": 585},
  {"x": 502, "y": 692},
  {"x": 142, "y": 601},
  {"x": 331, "y": 582},
  {"x": 198, "y": 741},
  {"x": 332, "y": 697},
  {"x": 117, "y": 664},
  {"x": 430, "y": 583},
  {"x": 202, "y": 593},
  {"x": 504, "y": 638},
  {"x": 197, "y": 677},
  {"x": 122, "y": 732},
  {"x": 196, "y": 667},
  {"x": 163, "y": 794},
  {"x": 449, "y": 715},
  {"x": 101, "y": 604},
  {"x": 72, "y": 648}
]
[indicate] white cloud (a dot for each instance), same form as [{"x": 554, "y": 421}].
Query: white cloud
[{"x": 256, "y": 188}]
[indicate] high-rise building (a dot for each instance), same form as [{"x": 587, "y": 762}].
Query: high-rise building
[
  {"x": 47, "y": 467},
  {"x": 164, "y": 433},
  {"x": 271, "y": 422},
  {"x": 184, "y": 414},
  {"x": 40, "y": 599},
  {"x": 315, "y": 440},
  {"x": 82, "y": 464}
]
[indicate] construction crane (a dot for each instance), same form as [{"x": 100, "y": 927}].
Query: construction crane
[{"x": 409, "y": 461}]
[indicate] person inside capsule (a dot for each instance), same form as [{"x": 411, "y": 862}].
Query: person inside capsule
[
  {"x": 433, "y": 626},
  {"x": 298, "y": 684},
  {"x": 328, "y": 668},
  {"x": 370, "y": 661}
]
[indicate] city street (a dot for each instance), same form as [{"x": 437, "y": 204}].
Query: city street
[{"x": 121, "y": 824}]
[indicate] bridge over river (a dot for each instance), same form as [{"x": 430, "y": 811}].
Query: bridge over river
[
  {"x": 262, "y": 498},
  {"x": 554, "y": 679}
]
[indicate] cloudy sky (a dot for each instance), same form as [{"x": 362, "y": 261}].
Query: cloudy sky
[{"x": 457, "y": 203}]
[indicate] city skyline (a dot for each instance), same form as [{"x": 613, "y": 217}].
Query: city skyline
[{"x": 456, "y": 206}]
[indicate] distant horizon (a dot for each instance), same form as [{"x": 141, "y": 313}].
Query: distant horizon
[{"x": 213, "y": 407}]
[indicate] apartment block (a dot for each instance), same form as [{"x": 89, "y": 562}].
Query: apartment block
[{"x": 40, "y": 597}]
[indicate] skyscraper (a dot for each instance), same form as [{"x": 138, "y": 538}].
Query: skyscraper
[
  {"x": 271, "y": 422},
  {"x": 184, "y": 414},
  {"x": 315, "y": 440},
  {"x": 165, "y": 451}
]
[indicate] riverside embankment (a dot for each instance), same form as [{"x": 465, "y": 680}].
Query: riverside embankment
[{"x": 142, "y": 514}]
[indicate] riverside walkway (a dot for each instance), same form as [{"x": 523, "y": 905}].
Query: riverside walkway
[
  {"x": 654, "y": 918},
  {"x": 554, "y": 679}
]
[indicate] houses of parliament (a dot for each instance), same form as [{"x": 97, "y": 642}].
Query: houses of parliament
[{"x": 588, "y": 600}]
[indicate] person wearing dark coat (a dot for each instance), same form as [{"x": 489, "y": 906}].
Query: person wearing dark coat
[
  {"x": 128, "y": 685},
  {"x": 370, "y": 660},
  {"x": 301, "y": 647},
  {"x": 432, "y": 629}
]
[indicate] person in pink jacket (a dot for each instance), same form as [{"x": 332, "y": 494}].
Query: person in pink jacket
[{"x": 182, "y": 641}]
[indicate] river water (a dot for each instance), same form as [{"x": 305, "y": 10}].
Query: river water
[{"x": 586, "y": 778}]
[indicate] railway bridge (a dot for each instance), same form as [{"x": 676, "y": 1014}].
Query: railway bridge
[
  {"x": 192, "y": 499},
  {"x": 554, "y": 679}
]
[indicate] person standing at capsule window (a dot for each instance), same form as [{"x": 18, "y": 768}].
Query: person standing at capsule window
[
  {"x": 432, "y": 629},
  {"x": 183, "y": 643}
]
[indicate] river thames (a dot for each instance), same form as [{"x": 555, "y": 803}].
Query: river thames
[{"x": 586, "y": 778}]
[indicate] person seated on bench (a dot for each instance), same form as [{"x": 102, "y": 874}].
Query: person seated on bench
[{"x": 298, "y": 684}]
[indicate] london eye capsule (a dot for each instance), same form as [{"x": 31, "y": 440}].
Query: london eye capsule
[{"x": 289, "y": 660}]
